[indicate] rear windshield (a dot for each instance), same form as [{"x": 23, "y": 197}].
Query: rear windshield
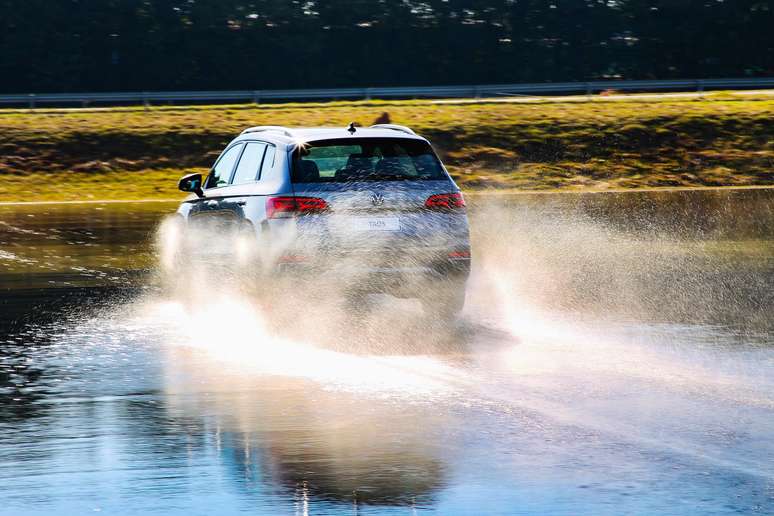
[{"x": 366, "y": 159}]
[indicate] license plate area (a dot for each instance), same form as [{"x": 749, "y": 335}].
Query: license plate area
[{"x": 376, "y": 224}]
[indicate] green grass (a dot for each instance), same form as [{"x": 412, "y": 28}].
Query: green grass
[{"x": 134, "y": 153}]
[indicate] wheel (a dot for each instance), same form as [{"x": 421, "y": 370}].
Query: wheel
[
  {"x": 171, "y": 255},
  {"x": 446, "y": 303},
  {"x": 246, "y": 257},
  {"x": 170, "y": 239},
  {"x": 357, "y": 303}
]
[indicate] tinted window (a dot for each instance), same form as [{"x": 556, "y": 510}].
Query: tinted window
[
  {"x": 221, "y": 173},
  {"x": 249, "y": 164},
  {"x": 268, "y": 161},
  {"x": 366, "y": 159}
]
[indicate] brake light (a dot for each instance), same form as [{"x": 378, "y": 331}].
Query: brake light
[
  {"x": 290, "y": 206},
  {"x": 459, "y": 255},
  {"x": 447, "y": 201}
]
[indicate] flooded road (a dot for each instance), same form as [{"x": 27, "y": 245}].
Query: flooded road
[{"x": 616, "y": 356}]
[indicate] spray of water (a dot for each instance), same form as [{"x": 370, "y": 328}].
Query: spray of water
[
  {"x": 553, "y": 290},
  {"x": 586, "y": 345}
]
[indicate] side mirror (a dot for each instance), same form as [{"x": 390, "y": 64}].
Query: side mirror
[{"x": 191, "y": 183}]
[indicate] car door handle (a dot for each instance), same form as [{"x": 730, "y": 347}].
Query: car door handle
[{"x": 241, "y": 203}]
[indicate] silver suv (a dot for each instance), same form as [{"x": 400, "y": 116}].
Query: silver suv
[{"x": 372, "y": 208}]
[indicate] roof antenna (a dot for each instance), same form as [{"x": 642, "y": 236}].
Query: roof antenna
[{"x": 351, "y": 128}]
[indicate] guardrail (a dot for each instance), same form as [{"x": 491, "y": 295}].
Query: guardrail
[{"x": 33, "y": 100}]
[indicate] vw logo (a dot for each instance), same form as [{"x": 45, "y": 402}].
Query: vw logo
[{"x": 377, "y": 199}]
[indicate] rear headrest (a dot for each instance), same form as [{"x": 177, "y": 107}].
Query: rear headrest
[
  {"x": 358, "y": 165},
  {"x": 308, "y": 171},
  {"x": 359, "y": 161},
  {"x": 389, "y": 165}
]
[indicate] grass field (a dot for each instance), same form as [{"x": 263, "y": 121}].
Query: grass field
[{"x": 722, "y": 139}]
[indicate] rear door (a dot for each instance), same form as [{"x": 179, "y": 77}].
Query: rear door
[{"x": 247, "y": 171}]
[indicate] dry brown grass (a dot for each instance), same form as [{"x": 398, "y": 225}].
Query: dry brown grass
[{"x": 722, "y": 140}]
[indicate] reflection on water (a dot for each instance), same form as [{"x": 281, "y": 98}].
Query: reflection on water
[{"x": 615, "y": 357}]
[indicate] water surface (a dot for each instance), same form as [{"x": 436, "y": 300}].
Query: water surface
[{"x": 615, "y": 356}]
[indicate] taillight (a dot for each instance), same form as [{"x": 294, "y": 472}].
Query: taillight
[
  {"x": 459, "y": 255},
  {"x": 289, "y": 206},
  {"x": 445, "y": 202}
]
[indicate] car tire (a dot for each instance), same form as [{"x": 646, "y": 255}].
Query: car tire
[
  {"x": 357, "y": 303},
  {"x": 445, "y": 304},
  {"x": 247, "y": 261}
]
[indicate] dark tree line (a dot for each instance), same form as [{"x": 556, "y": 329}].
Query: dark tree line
[{"x": 80, "y": 45}]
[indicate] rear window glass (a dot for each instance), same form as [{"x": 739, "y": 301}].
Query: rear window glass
[{"x": 366, "y": 159}]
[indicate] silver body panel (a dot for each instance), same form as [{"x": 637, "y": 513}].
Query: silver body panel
[{"x": 378, "y": 229}]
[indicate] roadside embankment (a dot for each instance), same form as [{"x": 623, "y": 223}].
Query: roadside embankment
[{"x": 721, "y": 139}]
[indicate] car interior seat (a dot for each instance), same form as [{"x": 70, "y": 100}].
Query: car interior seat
[
  {"x": 308, "y": 172},
  {"x": 357, "y": 165}
]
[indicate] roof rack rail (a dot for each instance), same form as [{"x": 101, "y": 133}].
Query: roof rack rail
[
  {"x": 264, "y": 128},
  {"x": 394, "y": 127}
]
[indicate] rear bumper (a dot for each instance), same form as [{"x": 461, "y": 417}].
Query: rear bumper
[{"x": 402, "y": 275}]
